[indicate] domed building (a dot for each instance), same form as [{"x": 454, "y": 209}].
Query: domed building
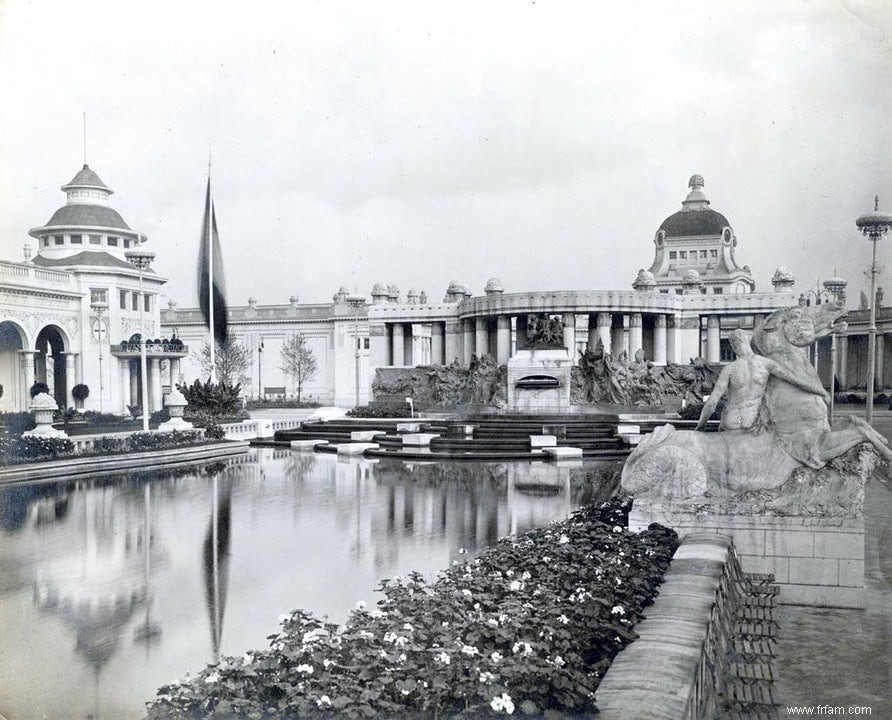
[
  {"x": 701, "y": 239},
  {"x": 69, "y": 314}
]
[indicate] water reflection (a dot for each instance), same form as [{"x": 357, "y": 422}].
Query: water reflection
[{"x": 111, "y": 588}]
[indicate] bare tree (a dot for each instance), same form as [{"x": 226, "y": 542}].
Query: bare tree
[
  {"x": 298, "y": 361},
  {"x": 231, "y": 358}
]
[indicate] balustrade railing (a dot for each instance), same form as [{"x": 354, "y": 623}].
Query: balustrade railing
[{"x": 26, "y": 272}]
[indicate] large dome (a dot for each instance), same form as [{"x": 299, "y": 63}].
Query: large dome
[
  {"x": 694, "y": 223},
  {"x": 83, "y": 215}
]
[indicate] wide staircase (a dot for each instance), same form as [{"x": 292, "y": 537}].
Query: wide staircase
[{"x": 475, "y": 437}]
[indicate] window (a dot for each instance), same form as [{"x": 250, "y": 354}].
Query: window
[
  {"x": 665, "y": 291},
  {"x": 122, "y": 294},
  {"x": 135, "y": 299},
  {"x": 673, "y": 255},
  {"x": 703, "y": 254},
  {"x": 98, "y": 295},
  {"x": 713, "y": 253},
  {"x": 147, "y": 301},
  {"x": 683, "y": 254},
  {"x": 678, "y": 291},
  {"x": 703, "y": 291},
  {"x": 95, "y": 239},
  {"x": 717, "y": 291},
  {"x": 44, "y": 242},
  {"x": 77, "y": 239},
  {"x": 57, "y": 239},
  {"x": 112, "y": 241},
  {"x": 126, "y": 243}
]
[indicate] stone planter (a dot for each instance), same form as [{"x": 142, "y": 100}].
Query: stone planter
[
  {"x": 43, "y": 406},
  {"x": 175, "y": 404}
]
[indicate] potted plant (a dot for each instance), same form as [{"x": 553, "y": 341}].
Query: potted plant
[
  {"x": 39, "y": 387},
  {"x": 80, "y": 392}
]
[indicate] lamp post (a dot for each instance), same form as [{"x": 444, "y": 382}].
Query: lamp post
[
  {"x": 141, "y": 259},
  {"x": 99, "y": 304},
  {"x": 356, "y": 302},
  {"x": 873, "y": 226}
]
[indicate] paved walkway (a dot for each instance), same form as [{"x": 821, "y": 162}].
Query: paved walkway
[{"x": 843, "y": 658}]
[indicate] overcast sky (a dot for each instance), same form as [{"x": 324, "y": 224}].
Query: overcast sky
[{"x": 417, "y": 143}]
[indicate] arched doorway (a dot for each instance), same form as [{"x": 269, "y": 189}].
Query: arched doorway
[
  {"x": 49, "y": 363},
  {"x": 12, "y": 342}
]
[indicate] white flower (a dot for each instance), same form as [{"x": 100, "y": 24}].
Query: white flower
[
  {"x": 248, "y": 659},
  {"x": 323, "y": 701},
  {"x": 408, "y": 627},
  {"x": 326, "y": 663},
  {"x": 469, "y": 650},
  {"x": 502, "y": 703},
  {"x": 404, "y": 692},
  {"x": 376, "y": 613},
  {"x": 496, "y": 657},
  {"x": 467, "y": 592},
  {"x": 563, "y": 540},
  {"x": 564, "y": 619},
  {"x": 546, "y": 558},
  {"x": 492, "y": 622},
  {"x": 503, "y": 618},
  {"x": 305, "y": 669},
  {"x": 443, "y": 658},
  {"x": 525, "y": 576},
  {"x": 462, "y": 551},
  {"x": 212, "y": 678},
  {"x": 509, "y": 573},
  {"x": 617, "y": 610},
  {"x": 617, "y": 528},
  {"x": 402, "y": 657},
  {"x": 558, "y": 661},
  {"x": 487, "y": 677},
  {"x": 515, "y": 585},
  {"x": 522, "y": 648}
]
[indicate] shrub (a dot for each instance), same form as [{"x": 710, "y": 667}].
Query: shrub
[
  {"x": 154, "y": 441},
  {"x": 533, "y": 623},
  {"x": 100, "y": 418},
  {"x": 214, "y": 399},
  {"x": 80, "y": 392},
  {"x": 39, "y": 387},
  {"x": 380, "y": 410},
  {"x": 212, "y": 431},
  {"x": 17, "y": 422},
  {"x": 34, "y": 447}
]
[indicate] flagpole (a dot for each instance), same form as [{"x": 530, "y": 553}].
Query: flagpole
[{"x": 210, "y": 246}]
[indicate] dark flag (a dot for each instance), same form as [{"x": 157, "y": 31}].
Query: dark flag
[{"x": 210, "y": 274}]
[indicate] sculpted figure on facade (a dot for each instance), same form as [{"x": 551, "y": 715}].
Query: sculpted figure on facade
[{"x": 776, "y": 440}]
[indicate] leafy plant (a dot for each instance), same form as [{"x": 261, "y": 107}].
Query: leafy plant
[
  {"x": 80, "y": 392},
  {"x": 39, "y": 387},
  {"x": 215, "y": 399},
  {"x": 213, "y": 431},
  {"x": 533, "y": 624},
  {"x": 298, "y": 361},
  {"x": 380, "y": 410},
  {"x": 17, "y": 422},
  {"x": 231, "y": 360}
]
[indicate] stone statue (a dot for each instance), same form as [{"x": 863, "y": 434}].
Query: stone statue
[
  {"x": 776, "y": 440},
  {"x": 743, "y": 384}
]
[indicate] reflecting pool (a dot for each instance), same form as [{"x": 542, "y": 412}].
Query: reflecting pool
[{"x": 111, "y": 588}]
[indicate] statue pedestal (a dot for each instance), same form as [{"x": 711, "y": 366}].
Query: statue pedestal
[
  {"x": 817, "y": 561},
  {"x": 539, "y": 380}
]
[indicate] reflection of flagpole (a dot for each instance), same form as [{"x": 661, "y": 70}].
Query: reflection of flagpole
[
  {"x": 216, "y": 557},
  {"x": 216, "y": 565}
]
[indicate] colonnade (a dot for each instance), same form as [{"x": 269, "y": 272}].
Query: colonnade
[
  {"x": 129, "y": 368},
  {"x": 663, "y": 337}
]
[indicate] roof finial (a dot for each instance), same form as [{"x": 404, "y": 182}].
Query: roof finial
[{"x": 85, "y": 139}]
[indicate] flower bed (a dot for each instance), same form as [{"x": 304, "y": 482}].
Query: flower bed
[{"x": 529, "y": 627}]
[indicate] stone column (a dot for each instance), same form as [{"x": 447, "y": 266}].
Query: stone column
[
  {"x": 842, "y": 360},
  {"x": 124, "y": 366},
  {"x": 635, "y": 334},
  {"x": 453, "y": 341},
  {"x": 174, "y": 367},
  {"x": 879, "y": 371},
  {"x": 673, "y": 341},
  {"x": 468, "y": 341},
  {"x": 660, "y": 340},
  {"x": 503, "y": 339},
  {"x": 481, "y": 336},
  {"x": 155, "y": 383},
  {"x": 713, "y": 335},
  {"x": 592, "y": 336},
  {"x": 70, "y": 378},
  {"x": 28, "y": 371},
  {"x": 569, "y": 321},
  {"x": 605, "y": 320},
  {"x": 437, "y": 330},
  {"x": 398, "y": 352},
  {"x": 134, "y": 384},
  {"x": 618, "y": 338}
]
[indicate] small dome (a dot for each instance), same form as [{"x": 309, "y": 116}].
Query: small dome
[
  {"x": 645, "y": 280},
  {"x": 494, "y": 285},
  {"x": 252, "y": 301},
  {"x": 783, "y": 274},
  {"x": 411, "y": 293},
  {"x": 379, "y": 289},
  {"x": 86, "y": 178},
  {"x": 83, "y": 215},
  {"x": 294, "y": 299},
  {"x": 343, "y": 290},
  {"x": 691, "y": 277}
]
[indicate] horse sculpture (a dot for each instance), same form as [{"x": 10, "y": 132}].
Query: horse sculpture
[{"x": 792, "y": 433}]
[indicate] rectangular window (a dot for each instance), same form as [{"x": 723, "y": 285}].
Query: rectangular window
[
  {"x": 703, "y": 291},
  {"x": 44, "y": 242},
  {"x": 99, "y": 295},
  {"x": 703, "y": 254},
  {"x": 678, "y": 291},
  {"x": 126, "y": 243},
  {"x": 57, "y": 239},
  {"x": 77, "y": 239},
  {"x": 112, "y": 241},
  {"x": 123, "y": 296},
  {"x": 135, "y": 299},
  {"x": 95, "y": 239},
  {"x": 682, "y": 254},
  {"x": 673, "y": 255},
  {"x": 665, "y": 291},
  {"x": 717, "y": 291},
  {"x": 713, "y": 253},
  {"x": 147, "y": 301}
]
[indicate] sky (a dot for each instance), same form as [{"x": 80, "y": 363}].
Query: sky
[{"x": 414, "y": 144}]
